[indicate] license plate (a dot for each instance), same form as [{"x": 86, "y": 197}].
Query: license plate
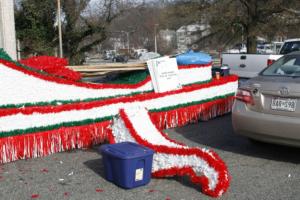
[{"x": 284, "y": 104}]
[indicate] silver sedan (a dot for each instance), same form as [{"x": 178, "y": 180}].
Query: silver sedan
[{"x": 267, "y": 107}]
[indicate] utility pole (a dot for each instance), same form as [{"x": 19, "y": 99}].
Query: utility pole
[
  {"x": 18, "y": 50},
  {"x": 128, "y": 38},
  {"x": 7, "y": 28},
  {"x": 155, "y": 39},
  {"x": 127, "y": 34},
  {"x": 59, "y": 29}
]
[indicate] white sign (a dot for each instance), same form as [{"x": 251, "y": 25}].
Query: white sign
[{"x": 164, "y": 74}]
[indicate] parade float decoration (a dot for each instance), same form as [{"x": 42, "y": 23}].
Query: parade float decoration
[
  {"x": 202, "y": 166},
  {"x": 44, "y": 111}
]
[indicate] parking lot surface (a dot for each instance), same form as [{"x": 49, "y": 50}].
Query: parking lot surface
[{"x": 258, "y": 170}]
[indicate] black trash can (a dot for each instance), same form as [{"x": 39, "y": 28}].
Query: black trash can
[{"x": 225, "y": 70}]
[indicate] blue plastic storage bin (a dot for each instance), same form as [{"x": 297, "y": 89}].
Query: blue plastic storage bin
[{"x": 127, "y": 164}]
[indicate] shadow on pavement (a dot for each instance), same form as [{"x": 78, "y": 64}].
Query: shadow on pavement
[
  {"x": 218, "y": 133},
  {"x": 96, "y": 166}
]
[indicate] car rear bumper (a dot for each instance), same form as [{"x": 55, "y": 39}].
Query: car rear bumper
[{"x": 265, "y": 127}]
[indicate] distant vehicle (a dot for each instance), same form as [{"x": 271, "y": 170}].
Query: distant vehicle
[
  {"x": 290, "y": 46},
  {"x": 267, "y": 107},
  {"x": 120, "y": 58},
  {"x": 249, "y": 65},
  {"x": 276, "y": 46},
  {"x": 149, "y": 55},
  {"x": 272, "y": 48},
  {"x": 239, "y": 48},
  {"x": 265, "y": 49},
  {"x": 109, "y": 54},
  {"x": 139, "y": 52},
  {"x": 260, "y": 48}
]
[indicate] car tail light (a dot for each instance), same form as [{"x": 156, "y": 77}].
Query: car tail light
[
  {"x": 270, "y": 62},
  {"x": 244, "y": 96}
]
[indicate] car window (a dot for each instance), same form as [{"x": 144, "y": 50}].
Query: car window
[
  {"x": 285, "y": 66},
  {"x": 290, "y": 62},
  {"x": 290, "y": 47}
]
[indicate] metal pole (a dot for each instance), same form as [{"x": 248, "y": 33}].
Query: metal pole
[
  {"x": 127, "y": 33},
  {"x": 242, "y": 34},
  {"x": 18, "y": 50},
  {"x": 155, "y": 40},
  {"x": 59, "y": 29}
]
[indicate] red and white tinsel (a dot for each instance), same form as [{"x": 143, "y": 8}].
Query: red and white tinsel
[
  {"x": 42, "y": 114},
  {"x": 203, "y": 166}
]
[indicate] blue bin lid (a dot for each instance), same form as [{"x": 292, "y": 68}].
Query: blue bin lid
[
  {"x": 191, "y": 57},
  {"x": 126, "y": 150}
]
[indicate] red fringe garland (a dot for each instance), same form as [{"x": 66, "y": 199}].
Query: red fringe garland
[
  {"x": 182, "y": 116},
  {"x": 48, "y": 142},
  {"x": 194, "y": 66},
  {"x": 67, "y": 138},
  {"x": 52, "y": 65},
  {"x": 213, "y": 160},
  {"x": 44, "y": 62}
]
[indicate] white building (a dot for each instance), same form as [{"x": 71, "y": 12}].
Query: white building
[
  {"x": 117, "y": 43},
  {"x": 169, "y": 36},
  {"x": 188, "y": 35}
]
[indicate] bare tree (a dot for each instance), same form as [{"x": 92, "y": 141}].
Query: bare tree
[
  {"x": 234, "y": 21},
  {"x": 250, "y": 18},
  {"x": 136, "y": 23},
  {"x": 84, "y": 25},
  {"x": 84, "y": 28}
]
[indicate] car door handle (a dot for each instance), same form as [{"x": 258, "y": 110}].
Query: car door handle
[{"x": 242, "y": 65}]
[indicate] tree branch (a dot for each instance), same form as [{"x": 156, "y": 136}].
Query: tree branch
[
  {"x": 292, "y": 11},
  {"x": 245, "y": 3},
  {"x": 89, "y": 46}
]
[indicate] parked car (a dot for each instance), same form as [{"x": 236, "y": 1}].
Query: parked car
[
  {"x": 267, "y": 107},
  {"x": 120, "y": 58},
  {"x": 290, "y": 46},
  {"x": 276, "y": 47},
  {"x": 139, "y": 52},
  {"x": 238, "y": 48},
  {"x": 108, "y": 54},
  {"x": 249, "y": 65},
  {"x": 149, "y": 55}
]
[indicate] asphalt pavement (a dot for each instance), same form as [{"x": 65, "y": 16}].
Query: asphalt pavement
[{"x": 258, "y": 170}]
